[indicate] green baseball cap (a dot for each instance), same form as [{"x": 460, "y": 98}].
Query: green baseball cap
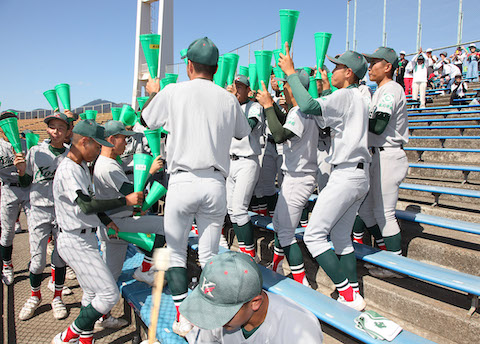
[
  {"x": 302, "y": 75},
  {"x": 384, "y": 53},
  {"x": 57, "y": 115},
  {"x": 227, "y": 281},
  {"x": 242, "y": 79},
  {"x": 203, "y": 51},
  {"x": 115, "y": 128},
  {"x": 353, "y": 60},
  {"x": 89, "y": 128}
]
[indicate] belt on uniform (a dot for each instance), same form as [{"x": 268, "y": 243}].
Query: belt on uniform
[
  {"x": 12, "y": 184},
  {"x": 183, "y": 171},
  {"x": 83, "y": 231},
  {"x": 360, "y": 165},
  {"x": 236, "y": 157},
  {"x": 381, "y": 149}
]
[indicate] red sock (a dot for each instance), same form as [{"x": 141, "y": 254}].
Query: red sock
[
  {"x": 299, "y": 276},
  {"x": 347, "y": 293},
  {"x": 277, "y": 260},
  {"x": 58, "y": 292},
  {"x": 263, "y": 212},
  {"x": 358, "y": 240},
  {"x": 37, "y": 293},
  {"x": 250, "y": 252},
  {"x": 178, "y": 313},
  {"x": 86, "y": 339},
  {"x": 53, "y": 274},
  {"x": 69, "y": 334},
  {"x": 146, "y": 266}
]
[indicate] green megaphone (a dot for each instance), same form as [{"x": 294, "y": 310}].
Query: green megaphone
[
  {"x": 288, "y": 22},
  {"x": 142, "y": 240},
  {"x": 307, "y": 70},
  {"x": 51, "y": 96},
  {"x": 233, "y": 61},
  {"x": 279, "y": 74},
  {"x": 141, "y": 102},
  {"x": 91, "y": 114},
  {"x": 31, "y": 138},
  {"x": 156, "y": 192},
  {"x": 141, "y": 170},
  {"x": 128, "y": 116},
  {"x": 263, "y": 59},
  {"x": 63, "y": 92},
  {"x": 252, "y": 75},
  {"x": 312, "y": 88},
  {"x": 332, "y": 88},
  {"x": 82, "y": 116},
  {"x": 183, "y": 53},
  {"x": 154, "y": 141},
  {"x": 151, "y": 47},
  {"x": 166, "y": 81},
  {"x": 116, "y": 113},
  {"x": 243, "y": 70},
  {"x": 9, "y": 126},
  {"x": 322, "y": 40},
  {"x": 220, "y": 77},
  {"x": 172, "y": 75}
]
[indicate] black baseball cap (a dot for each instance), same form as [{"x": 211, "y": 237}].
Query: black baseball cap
[{"x": 90, "y": 128}]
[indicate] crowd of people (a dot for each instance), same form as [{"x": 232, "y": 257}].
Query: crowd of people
[
  {"x": 444, "y": 72},
  {"x": 226, "y": 152}
]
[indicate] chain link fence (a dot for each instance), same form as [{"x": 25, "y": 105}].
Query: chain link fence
[{"x": 42, "y": 113}]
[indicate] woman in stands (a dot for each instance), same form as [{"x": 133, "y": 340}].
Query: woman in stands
[{"x": 472, "y": 63}]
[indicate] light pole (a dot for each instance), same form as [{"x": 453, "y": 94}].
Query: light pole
[
  {"x": 419, "y": 27},
  {"x": 460, "y": 23},
  {"x": 348, "y": 25},
  {"x": 355, "y": 25},
  {"x": 384, "y": 23}
]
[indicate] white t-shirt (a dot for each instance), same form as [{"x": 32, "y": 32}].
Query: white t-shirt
[
  {"x": 108, "y": 178},
  {"x": 41, "y": 165},
  {"x": 285, "y": 323},
  {"x": 250, "y": 145},
  {"x": 451, "y": 70},
  {"x": 345, "y": 111},
  {"x": 300, "y": 152},
  {"x": 69, "y": 178},
  {"x": 202, "y": 118},
  {"x": 390, "y": 99}
]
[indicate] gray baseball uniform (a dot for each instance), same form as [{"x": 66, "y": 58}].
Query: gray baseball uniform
[
  {"x": 108, "y": 178},
  {"x": 276, "y": 328},
  {"x": 77, "y": 243}
]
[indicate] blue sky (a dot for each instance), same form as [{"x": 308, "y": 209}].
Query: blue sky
[{"x": 90, "y": 43}]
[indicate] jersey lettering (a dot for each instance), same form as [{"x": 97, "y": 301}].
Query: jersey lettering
[
  {"x": 44, "y": 173},
  {"x": 6, "y": 161}
]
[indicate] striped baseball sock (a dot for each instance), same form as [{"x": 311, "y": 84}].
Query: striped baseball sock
[
  {"x": 271, "y": 204},
  {"x": 254, "y": 205},
  {"x": 178, "y": 283},
  {"x": 86, "y": 319},
  {"x": 278, "y": 255},
  {"x": 377, "y": 234},
  {"x": 35, "y": 282},
  {"x": 358, "y": 230},
  {"x": 70, "y": 333},
  {"x": 295, "y": 260},
  {"x": 348, "y": 262},
  {"x": 147, "y": 259},
  {"x": 304, "y": 218},
  {"x": 394, "y": 243},
  {"x": 330, "y": 263},
  {"x": 86, "y": 337},
  {"x": 6, "y": 253},
  {"x": 58, "y": 278}
]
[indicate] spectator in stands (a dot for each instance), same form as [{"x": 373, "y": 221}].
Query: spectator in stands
[
  {"x": 400, "y": 73},
  {"x": 457, "y": 58},
  {"x": 448, "y": 72},
  {"x": 430, "y": 60},
  {"x": 408, "y": 78},
  {"x": 420, "y": 65},
  {"x": 472, "y": 63},
  {"x": 443, "y": 59},
  {"x": 459, "y": 89}
]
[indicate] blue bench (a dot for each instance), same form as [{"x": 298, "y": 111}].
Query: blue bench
[
  {"x": 421, "y": 150},
  {"x": 436, "y": 191},
  {"x": 444, "y": 107},
  {"x": 456, "y": 119},
  {"x": 423, "y": 271},
  {"x": 458, "y": 225},
  {"x": 443, "y": 138},
  {"x": 460, "y": 127},
  {"x": 463, "y": 99},
  {"x": 465, "y": 169},
  {"x": 444, "y": 114}
]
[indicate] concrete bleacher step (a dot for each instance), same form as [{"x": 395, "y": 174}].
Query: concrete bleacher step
[
  {"x": 458, "y": 142},
  {"x": 447, "y": 172},
  {"x": 446, "y": 157},
  {"x": 441, "y": 210},
  {"x": 454, "y": 131},
  {"x": 429, "y": 308}
]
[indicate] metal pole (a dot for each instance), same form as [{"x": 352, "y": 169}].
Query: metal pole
[
  {"x": 355, "y": 25},
  {"x": 384, "y": 23},
  {"x": 419, "y": 27},
  {"x": 460, "y": 22},
  {"x": 348, "y": 25}
]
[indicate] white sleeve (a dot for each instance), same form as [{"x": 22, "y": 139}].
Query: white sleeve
[
  {"x": 334, "y": 106},
  {"x": 30, "y": 161},
  {"x": 295, "y": 123},
  {"x": 199, "y": 336},
  {"x": 156, "y": 113},
  {"x": 242, "y": 128}
]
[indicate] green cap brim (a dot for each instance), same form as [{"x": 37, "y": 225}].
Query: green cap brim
[
  {"x": 195, "y": 307},
  {"x": 335, "y": 61},
  {"x": 102, "y": 142}
]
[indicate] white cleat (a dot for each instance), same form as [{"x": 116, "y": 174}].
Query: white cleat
[
  {"x": 182, "y": 327},
  {"x": 59, "y": 309},
  {"x": 358, "y": 302},
  {"x": 58, "y": 340},
  {"x": 18, "y": 228},
  {"x": 29, "y": 308},
  {"x": 70, "y": 274},
  {"x": 7, "y": 275},
  {"x": 223, "y": 242},
  {"x": 146, "y": 277},
  {"x": 110, "y": 322}
]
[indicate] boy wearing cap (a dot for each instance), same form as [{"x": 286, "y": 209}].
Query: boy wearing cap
[
  {"x": 37, "y": 170},
  {"x": 78, "y": 214},
  {"x": 14, "y": 197},
  {"x": 229, "y": 306},
  {"x": 244, "y": 167},
  {"x": 345, "y": 112},
  {"x": 400, "y": 73},
  {"x": 299, "y": 135},
  {"x": 388, "y": 133},
  {"x": 201, "y": 118}
]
